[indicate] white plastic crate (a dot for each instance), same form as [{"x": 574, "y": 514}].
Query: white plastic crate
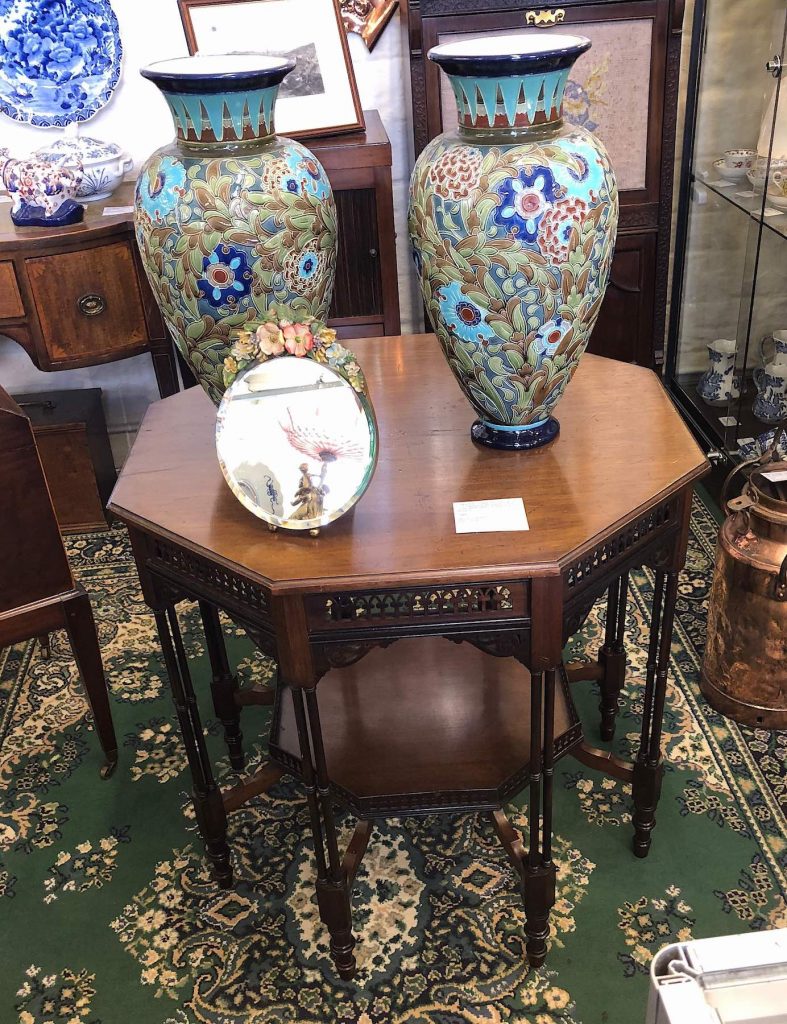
[{"x": 734, "y": 979}]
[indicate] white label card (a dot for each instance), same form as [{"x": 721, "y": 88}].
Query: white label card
[
  {"x": 496, "y": 515},
  {"x": 776, "y": 475},
  {"x": 727, "y": 421},
  {"x": 771, "y": 211},
  {"x": 745, "y": 195},
  {"x": 110, "y": 211},
  {"x": 5, "y": 199},
  {"x": 720, "y": 184}
]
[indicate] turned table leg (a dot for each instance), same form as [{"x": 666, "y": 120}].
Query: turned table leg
[
  {"x": 333, "y": 885},
  {"x": 224, "y": 685},
  {"x": 539, "y": 872},
  {"x": 612, "y": 656},
  {"x": 648, "y": 770},
  {"x": 206, "y": 796}
]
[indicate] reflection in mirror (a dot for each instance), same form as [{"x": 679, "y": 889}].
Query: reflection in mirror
[{"x": 296, "y": 443}]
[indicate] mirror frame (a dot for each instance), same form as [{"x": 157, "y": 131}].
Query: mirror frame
[{"x": 361, "y": 395}]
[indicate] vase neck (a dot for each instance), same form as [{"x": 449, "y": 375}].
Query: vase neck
[
  {"x": 221, "y": 100},
  {"x": 511, "y": 82},
  {"x": 208, "y": 119},
  {"x": 510, "y": 101}
]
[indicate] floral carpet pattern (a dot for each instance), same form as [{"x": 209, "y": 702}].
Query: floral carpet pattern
[{"x": 108, "y": 914}]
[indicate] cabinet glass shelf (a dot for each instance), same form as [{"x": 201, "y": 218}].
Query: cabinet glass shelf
[{"x": 729, "y": 285}]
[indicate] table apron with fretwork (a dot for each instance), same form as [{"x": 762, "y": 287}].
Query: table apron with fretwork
[{"x": 311, "y": 633}]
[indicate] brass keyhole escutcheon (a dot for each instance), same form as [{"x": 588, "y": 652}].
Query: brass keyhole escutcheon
[{"x": 91, "y": 304}]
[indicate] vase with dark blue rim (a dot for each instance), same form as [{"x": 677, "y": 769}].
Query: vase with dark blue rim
[
  {"x": 221, "y": 100},
  {"x": 231, "y": 219},
  {"x": 510, "y": 82},
  {"x": 512, "y": 219}
]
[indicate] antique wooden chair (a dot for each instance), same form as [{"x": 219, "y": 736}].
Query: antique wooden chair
[{"x": 37, "y": 591}]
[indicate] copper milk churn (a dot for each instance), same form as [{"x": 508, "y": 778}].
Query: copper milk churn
[{"x": 744, "y": 669}]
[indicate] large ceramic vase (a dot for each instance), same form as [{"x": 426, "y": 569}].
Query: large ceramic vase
[
  {"x": 512, "y": 220},
  {"x": 231, "y": 219}
]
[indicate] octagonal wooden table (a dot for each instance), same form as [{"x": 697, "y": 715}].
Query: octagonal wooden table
[{"x": 472, "y": 703}]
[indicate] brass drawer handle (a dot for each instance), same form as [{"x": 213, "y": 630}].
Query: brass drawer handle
[
  {"x": 541, "y": 19},
  {"x": 91, "y": 304}
]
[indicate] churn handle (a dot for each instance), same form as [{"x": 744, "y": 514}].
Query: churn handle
[
  {"x": 757, "y": 460},
  {"x": 781, "y": 582},
  {"x": 726, "y": 485}
]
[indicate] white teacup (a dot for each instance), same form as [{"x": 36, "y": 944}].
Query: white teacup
[
  {"x": 778, "y": 183},
  {"x": 759, "y": 172},
  {"x": 739, "y": 159}
]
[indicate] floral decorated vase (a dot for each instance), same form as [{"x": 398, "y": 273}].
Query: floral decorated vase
[
  {"x": 512, "y": 220},
  {"x": 231, "y": 219}
]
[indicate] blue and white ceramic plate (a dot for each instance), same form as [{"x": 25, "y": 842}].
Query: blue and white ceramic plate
[{"x": 59, "y": 59}]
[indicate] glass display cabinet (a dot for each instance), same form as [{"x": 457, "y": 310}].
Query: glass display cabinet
[{"x": 727, "y": 356}]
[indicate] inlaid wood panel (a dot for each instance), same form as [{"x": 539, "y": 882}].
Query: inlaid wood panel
[
  {"x": 10, "y": 299},
  {"x": 99, "y": 308}
]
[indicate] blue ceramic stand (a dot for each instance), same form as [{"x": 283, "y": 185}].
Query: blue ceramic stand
[
  {"x": 532, "y": 435},
  {"x": 70, "y": 212}
]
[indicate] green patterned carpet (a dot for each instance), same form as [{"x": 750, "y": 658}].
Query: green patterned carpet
[{"x": 108, "y": 915}]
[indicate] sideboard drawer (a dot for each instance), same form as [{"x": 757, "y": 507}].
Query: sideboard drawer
[
  {"x": 89, "y": 303},
  {"x": 10, "y": 299}
]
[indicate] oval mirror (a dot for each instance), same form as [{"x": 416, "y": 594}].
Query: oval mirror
[{"x": 296, "y": 442}]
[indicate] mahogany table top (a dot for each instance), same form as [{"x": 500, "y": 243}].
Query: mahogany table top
[{"x": 622, "y": 448}]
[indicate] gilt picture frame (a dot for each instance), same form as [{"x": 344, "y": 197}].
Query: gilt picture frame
[
  {"x": 320, "y": 97},
  {"x": 367, "y": 18}
]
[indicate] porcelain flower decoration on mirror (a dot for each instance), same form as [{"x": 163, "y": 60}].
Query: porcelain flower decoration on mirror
[{"x": 279, "y": 333}]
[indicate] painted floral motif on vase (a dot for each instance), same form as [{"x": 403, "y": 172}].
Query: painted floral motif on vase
[
  {"x": 513, "y": 220},
  {"x": 231, "y": 220}
]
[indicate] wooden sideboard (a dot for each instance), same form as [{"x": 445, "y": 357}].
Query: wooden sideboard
[
  {"x": 625, "y": 90},
  {"x": 78, "y": 296}
]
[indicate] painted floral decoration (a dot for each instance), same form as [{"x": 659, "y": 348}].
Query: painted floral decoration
[
  {"x": 278, "y": 333},
  {"x": 576, "y": 105},
  {"x": 455, "y": 174},
  {"x": 161, "y": 188},
  {"x": 524, "y": 200},
  {"x": 227, "y": 276},
  {"x": 558, "y": 225},
  {"x": 462, "y": 315}
]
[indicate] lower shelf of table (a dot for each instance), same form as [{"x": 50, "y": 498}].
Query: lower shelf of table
[{"x": 424, "y": 725}]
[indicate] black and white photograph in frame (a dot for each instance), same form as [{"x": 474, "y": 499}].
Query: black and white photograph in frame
[{"x": 320, "y": 97}]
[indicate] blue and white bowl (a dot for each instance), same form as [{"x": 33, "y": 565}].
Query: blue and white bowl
[{"x": 103, "y": 163}]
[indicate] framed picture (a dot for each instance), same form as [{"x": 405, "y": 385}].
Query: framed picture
[
  {"x": 320, "y": 97},
  {"x": 367, "y": 18}
]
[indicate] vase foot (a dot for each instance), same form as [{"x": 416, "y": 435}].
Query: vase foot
[{"x": 515, "y": 438}]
